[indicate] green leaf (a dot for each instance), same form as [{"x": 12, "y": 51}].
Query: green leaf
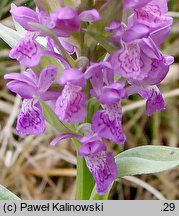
[
  {"x": 103, "y": 41},
  {"x": 147, "y": 159},
  {"x": 84, "y": 181},
  {"x": 10, "y": 36},
  {"x": 53, "y": 120},
  {"x": 5, "y": 194},
  {"x": 143, "y": 160},
  {"x": 96, "y": 196}
]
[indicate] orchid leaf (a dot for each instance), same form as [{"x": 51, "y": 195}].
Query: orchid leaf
[
  {"x": 10, "y": 36},
  {"x": 143, "y": 160},
  {"x": 147, "y": 159},
  {"x": 5, "y": 194},
  {"x": 102, "y": 40}
]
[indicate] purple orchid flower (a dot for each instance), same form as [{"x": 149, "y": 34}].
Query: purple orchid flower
[
  {"x": 31, "y": 87},
  {"x": 62, "y": 22},
  {"x": 100, "y": 163},
  {"x": 107, "y": 123},
  {"x": 99, "y": 74},
  {"x": 28, "y": 52},
  {"x": 148, "y": 18},
  {"x": 141, "y": 62},
  {"x": 155, "y": 101},
  {"x": 30, "y": 119},
  {"x": 70, "y": 106}
]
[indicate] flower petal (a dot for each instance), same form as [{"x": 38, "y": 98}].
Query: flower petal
[
  {"x": 126, "y": 62},
  {"x": 74, "y": 76},
  {"x": 107, "y": 123},
  {"x": 155, "y": 101},
  {"x": 92, "y": 144},
  {"x": 66, "y": 19},
  {"x": 23, "y": 16},
  {"x": 112, "y": 93},
  {"x": 135, "y": 3},
  {"x": 70, "y": 106},
  {"x": 27, "y": 51},
  {"x": 62, "y": 137},
  {"x": 103, "y": 167},
  {"x": 46, "y": 78},
  {"x": 89, "y": 16},
  {"x": 69, "y": 47},
  {"x": 100, "y": 74},
  {"x": 23, "y": 89},
  {"x": 20, "y": 77},
  {"x": 30, "y": 120}
]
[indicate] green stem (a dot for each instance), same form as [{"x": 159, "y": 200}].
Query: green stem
[{"x": 85, "y": 182}]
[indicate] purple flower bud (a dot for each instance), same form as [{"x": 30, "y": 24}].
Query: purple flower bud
[
  {"x": 66, "y": 19},
  {"x": 24, "y": 16},
  {"x": 89, "y": 16}
]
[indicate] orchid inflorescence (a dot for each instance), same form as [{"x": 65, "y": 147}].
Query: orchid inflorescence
[{"x": 135, "y": 66}]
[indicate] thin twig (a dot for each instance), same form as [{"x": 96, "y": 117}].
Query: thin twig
[
  {"x": 5, "y": 134},
  {"x": 50, "y": 172},
  {"x": 145, "y": 185}
]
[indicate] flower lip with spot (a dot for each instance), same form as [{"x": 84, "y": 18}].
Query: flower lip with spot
[
  {"x": 141, "y": 62},
  {"x": 70, "y": 106},
  {"x": 107, "y": 123},
  {"x": 28, "y": 52},
  {"x": 30, "y": 119},
  {"x": 155, "y": 101},
  {"x": 148, "y": 19}
]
